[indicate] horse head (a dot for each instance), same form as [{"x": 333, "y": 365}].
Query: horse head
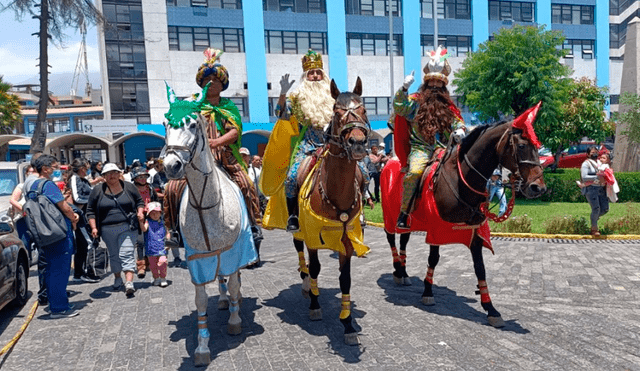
[
  {"x": 518, "y": 152},
  {"x": 184, "y": 132},
  {"x": 349, "y": 128}
]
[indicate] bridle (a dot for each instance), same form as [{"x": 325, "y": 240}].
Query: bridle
[{"x": 338, "y": 139}]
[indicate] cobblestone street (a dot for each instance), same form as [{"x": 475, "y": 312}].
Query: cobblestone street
[{"x": 568, "y": 305}]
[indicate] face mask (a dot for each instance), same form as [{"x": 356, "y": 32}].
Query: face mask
[
  {"x": 57, "y": 174},
  {"x": 594, "y": 156}
]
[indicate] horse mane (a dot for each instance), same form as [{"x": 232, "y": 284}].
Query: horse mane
[{"x": 471, "y": 138}]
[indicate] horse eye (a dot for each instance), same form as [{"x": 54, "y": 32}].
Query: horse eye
[{"x": 192, "y": 125}]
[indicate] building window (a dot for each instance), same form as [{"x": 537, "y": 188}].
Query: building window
[
  {"x": 295, "y": 6},
  {"x": 215, "y": 4},
  {"x": 378, "y": 8},
  {"x": 231, "y": 40},
  {"x": 572, "y": 14},
  {"x": 372, "y": 44},
  {"x": 242, "y": 104},
  {"x": 511, "y": 10},
  {"x": 294, "y": 42},
  {"x": 579, "y": 48},
  {"x": 447, "y": 9},
  {"x": 126, "y": 61},
  {"x": 617, "y": 7},
  {"x": 129, "y": 97},
  {"x": 124, "y": 22},
  {"x": 617, "y": 35},
  {"x": 60, "y": 125},
  {"x": 377, "y": 106},
  {"x": 457, "y": 46}
]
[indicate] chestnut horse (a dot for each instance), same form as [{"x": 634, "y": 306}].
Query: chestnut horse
[
  {"x": 457, "y": 190},
  {"x": 330, "y": 201}
]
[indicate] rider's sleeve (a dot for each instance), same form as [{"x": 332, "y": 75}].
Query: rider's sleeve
[
  {"x": 283, "y": 112},
  {"x": 404, "y": 104}
]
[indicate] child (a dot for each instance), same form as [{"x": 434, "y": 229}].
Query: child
[
  {"x": 604, "y": 169},
  {"x": 154, "y": 243}
]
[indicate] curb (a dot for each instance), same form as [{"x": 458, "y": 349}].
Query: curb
[{"x": 611, "y": 237}]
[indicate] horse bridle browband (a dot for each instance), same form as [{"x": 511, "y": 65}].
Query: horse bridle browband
[{"x": 360, "y": 122}]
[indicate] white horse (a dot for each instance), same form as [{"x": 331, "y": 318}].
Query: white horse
[{"x": 213, "y": 217}]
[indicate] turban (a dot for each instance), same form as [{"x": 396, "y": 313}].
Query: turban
[{"x": 211, "y": 66}]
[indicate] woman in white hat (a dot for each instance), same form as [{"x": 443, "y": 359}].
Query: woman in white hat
[{"x": 110, "y": 210}]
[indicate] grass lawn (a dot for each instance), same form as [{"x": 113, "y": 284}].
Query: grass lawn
[{"x": 539, "y": 211}]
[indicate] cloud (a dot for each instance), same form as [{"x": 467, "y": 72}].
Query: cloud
[{"x": 15, "y": 63}]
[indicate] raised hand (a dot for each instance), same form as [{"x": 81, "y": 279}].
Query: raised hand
[
  {"x": 285, "y": 84},
  {"x": 408, "y": 80}
]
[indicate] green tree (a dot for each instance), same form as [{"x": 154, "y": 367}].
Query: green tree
[
  {"x": 54, "y": 17},
  {"x": 631, "y": 116},
  {"x": 9, "y": 108},
  {"x": 518, "y": 68}
]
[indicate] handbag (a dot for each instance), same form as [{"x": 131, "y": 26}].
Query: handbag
[{"x": 132, "y": 217}]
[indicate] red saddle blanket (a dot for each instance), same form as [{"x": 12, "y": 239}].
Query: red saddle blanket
[{"x": 425, "y": 216}]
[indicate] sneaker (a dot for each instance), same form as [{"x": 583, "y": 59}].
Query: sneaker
[
  {"x": 156, "y": 282},
  {"x": 129, "y": 289},
  {"x": 117, "y": 283},
  {"x": 141, "y": 273},
  {"x": 76, "y": 279},
  {"x": 87, "y": 278},
  {"x": 293, "y": 226},
  {"x": 163, "y": 282},
  {"x": 64, "y": 314},
  {"x": 93, "y": 276},
  {"x": 177, "y": 262}
]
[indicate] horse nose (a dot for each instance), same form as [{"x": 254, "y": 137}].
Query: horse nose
[
  {"x": 175, "y": 167},
  {"x": 536, "y": 190}
]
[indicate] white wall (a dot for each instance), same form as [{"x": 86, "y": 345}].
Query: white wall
[{"x": 374, "y": 73}]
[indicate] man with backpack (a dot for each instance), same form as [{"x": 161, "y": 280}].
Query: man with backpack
[{"x": 58, "y": 254}]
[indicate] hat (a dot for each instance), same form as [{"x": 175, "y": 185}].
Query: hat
[
  {"x": 110, "y": 167},
  {"x": 497, "y": 172},
  {"x": 211, "y": 66},
  {"x": 381, "y": 145},
  {"x": 245, "y": 151},
  {"x": 154, "y": 206},
  {"x": 438, "y": 67},
  {"x": 311, "y": 61},
  {"x": 137, "y": 171}
]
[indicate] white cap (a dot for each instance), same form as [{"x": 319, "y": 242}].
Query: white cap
[
  {"x": 381, "y": 144},
  {"x": 110, "y": 167},
  {"x": 244, "y": 151}
]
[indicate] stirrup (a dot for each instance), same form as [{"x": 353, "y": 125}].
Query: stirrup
[
  {"x": 293, "y": 226},
  {"x": 403, "y": 221}
]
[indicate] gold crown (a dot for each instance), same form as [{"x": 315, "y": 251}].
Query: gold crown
[
  {"x": 438, "y": 67},
  {"x": 311, "y": 61}
]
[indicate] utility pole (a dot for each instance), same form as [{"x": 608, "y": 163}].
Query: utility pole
[
  {"x": 435, "y": 24},
  {"x": 390, "y": 50}
]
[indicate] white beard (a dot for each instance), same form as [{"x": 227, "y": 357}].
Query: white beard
[{"x": 315, "y": 100}]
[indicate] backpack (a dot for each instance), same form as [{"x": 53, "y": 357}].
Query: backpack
[{"x": 45, "y": 222}]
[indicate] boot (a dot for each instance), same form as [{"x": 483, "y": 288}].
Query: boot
[
  {"x": 403, "y": 221},
  {"x": 293, "y": 225},
  {"x": 595, "y": 232}
]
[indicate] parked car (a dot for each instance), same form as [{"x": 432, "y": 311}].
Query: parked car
[
  {"x": 11, "y": 174},
  {"x": 571, "y": 157},
  {"x": 14, "y": 266}
]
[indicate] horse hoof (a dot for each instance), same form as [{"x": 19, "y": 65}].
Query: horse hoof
[
  {"x": 305, "y": 293},
  {"x": 406, "y": 281},
  {"x": 234, "y": 329},
  {"x": 351, "y": 339},
  {"x": 223, "y": 304},
  {"x": 428, "y": 300},
  {"x": 315, "y": 314},
  {"x": 397, "y": 280},
  {"x": 496, "y": 322},
  {"x": 202, "y": 359}
]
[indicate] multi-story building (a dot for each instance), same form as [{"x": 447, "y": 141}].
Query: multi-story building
[{"x": 149, "y": 42}]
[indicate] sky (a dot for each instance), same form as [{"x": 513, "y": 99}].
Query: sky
[{"x": 19, "y": 49}]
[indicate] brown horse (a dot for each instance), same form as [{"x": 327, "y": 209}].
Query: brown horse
[
  {"x": 330, "y": 201},
  {"x": 457, "y": 190}
]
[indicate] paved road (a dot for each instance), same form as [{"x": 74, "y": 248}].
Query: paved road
[{"x": 568, "y": 306}]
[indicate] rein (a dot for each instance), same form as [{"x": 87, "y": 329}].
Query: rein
[{"x": 338, "y": 139}]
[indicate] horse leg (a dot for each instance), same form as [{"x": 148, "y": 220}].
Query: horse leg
[
  {"x": 350, "y": 333},
  {"x": 434, "y": 257},
  {"x": 315, "y": 312},
  {"x": 223, "y": 301},
  {"x": 202, "y": 354},
  {"x": 397, "y": 266},
  {"x": 493, "y": 316},
  {"x": 302, "y": 267},
  {"x": 235, "y": 322},
  {"x": 404, "y": 240}
]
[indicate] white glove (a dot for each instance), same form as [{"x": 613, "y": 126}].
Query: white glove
[
  {"x": 408, "y": 80},
  {"x": 285, "y": 84}
]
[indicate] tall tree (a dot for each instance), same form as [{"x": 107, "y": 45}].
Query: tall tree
[
  {"x": 54, "y": 16},
  {"x": 514, "y": 71},
  {"x": 9, "y": 108}
]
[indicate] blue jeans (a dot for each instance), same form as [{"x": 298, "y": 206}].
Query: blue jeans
[
  {"x": 58, "y": 257},
  {"x": 498, "y": 191},
  {"x": 597, "y": 198}
]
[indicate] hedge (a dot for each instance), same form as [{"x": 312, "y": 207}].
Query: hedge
[{"x": 562, "y": 187}]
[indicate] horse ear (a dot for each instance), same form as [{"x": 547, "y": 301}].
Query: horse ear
[
  {"x": 171, "y": 95},
  {"x": 358, "y": 88},
  {"x": 334, "y": 89},
  {"x": 203, "y": 94}
]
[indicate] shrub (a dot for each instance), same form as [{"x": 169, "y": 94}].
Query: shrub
[
  {"x": 561, "y": 186},
  {"x": 515, "y": 224},
  {"x": 627, "y": 224},
  {"x": 567, "y": 224}
]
